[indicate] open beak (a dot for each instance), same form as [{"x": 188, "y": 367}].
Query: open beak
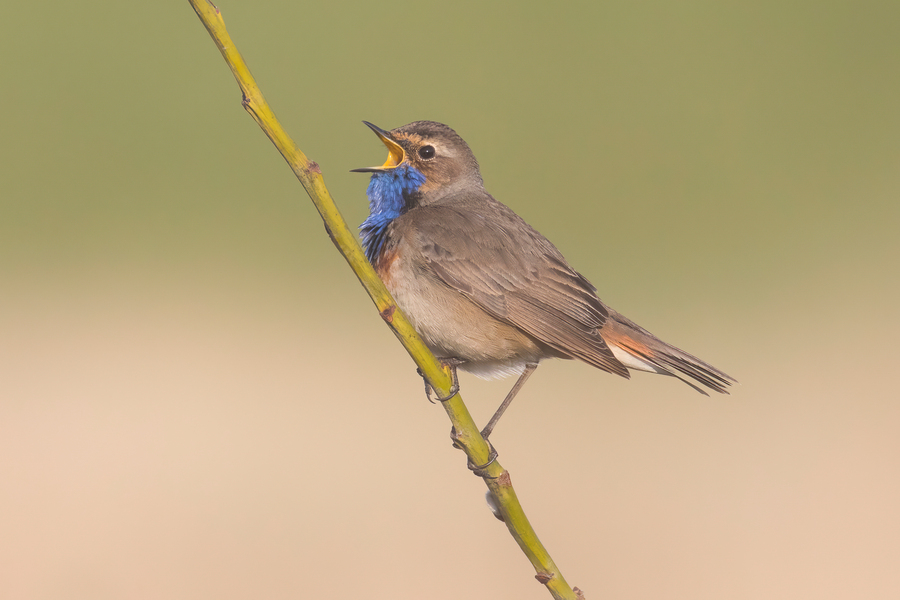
[{"x": 395, "y": 152}]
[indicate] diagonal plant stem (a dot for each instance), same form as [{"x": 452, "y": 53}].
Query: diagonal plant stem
[{"x": 465, "y": 433}]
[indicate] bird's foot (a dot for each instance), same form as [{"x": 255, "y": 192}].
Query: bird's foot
[
  {"x": 454, "y": 387},
  {"x": 481, "y": 470}
]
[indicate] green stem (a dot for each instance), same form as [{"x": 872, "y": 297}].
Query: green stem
[{"x": 465, "y": 433}]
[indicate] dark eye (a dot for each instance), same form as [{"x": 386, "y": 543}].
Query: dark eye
[{"x": 426, "y": 152}]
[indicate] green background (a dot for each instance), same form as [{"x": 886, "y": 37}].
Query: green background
[{"x": 198, "y": 400}]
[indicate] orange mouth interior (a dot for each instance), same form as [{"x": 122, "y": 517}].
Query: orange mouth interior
[{"x": 395, "y": 153}]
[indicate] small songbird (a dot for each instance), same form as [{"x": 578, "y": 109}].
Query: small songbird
[{"x": 485, "y": 290}]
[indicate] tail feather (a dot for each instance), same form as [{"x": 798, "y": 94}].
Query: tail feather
[{"x": 639, "y": 349}]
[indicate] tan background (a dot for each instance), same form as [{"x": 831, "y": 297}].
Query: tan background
[{"x": 198, "y": 401}]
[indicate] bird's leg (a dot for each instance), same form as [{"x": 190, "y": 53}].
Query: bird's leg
[
  {"x": 454, "y": 387},
  {"x": 529, "y": 369}
]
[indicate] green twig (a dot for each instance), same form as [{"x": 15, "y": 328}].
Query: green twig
[{"x": 465, "y": 433}]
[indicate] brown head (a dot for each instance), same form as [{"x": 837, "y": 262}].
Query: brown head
[{"x": 437, "y": 152}]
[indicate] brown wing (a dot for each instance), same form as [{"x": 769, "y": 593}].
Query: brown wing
[{"x": 485, "y": 251}]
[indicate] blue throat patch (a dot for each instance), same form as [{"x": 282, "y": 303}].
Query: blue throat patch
[{"x": 387, "y": 200}]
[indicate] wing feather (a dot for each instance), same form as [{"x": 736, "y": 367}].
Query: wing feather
[{"x": 489, "y": 254}]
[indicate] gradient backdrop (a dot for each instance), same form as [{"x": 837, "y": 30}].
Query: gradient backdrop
[{"x": 197, "y": 400}]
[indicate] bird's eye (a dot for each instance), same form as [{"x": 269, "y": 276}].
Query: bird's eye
[{"x": 426, "y": 152}]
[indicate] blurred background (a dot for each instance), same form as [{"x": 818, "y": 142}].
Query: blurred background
[{"x": 198, "y": 400}]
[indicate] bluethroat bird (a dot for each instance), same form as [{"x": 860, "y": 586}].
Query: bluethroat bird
[{"x": 485, "y": 290}]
